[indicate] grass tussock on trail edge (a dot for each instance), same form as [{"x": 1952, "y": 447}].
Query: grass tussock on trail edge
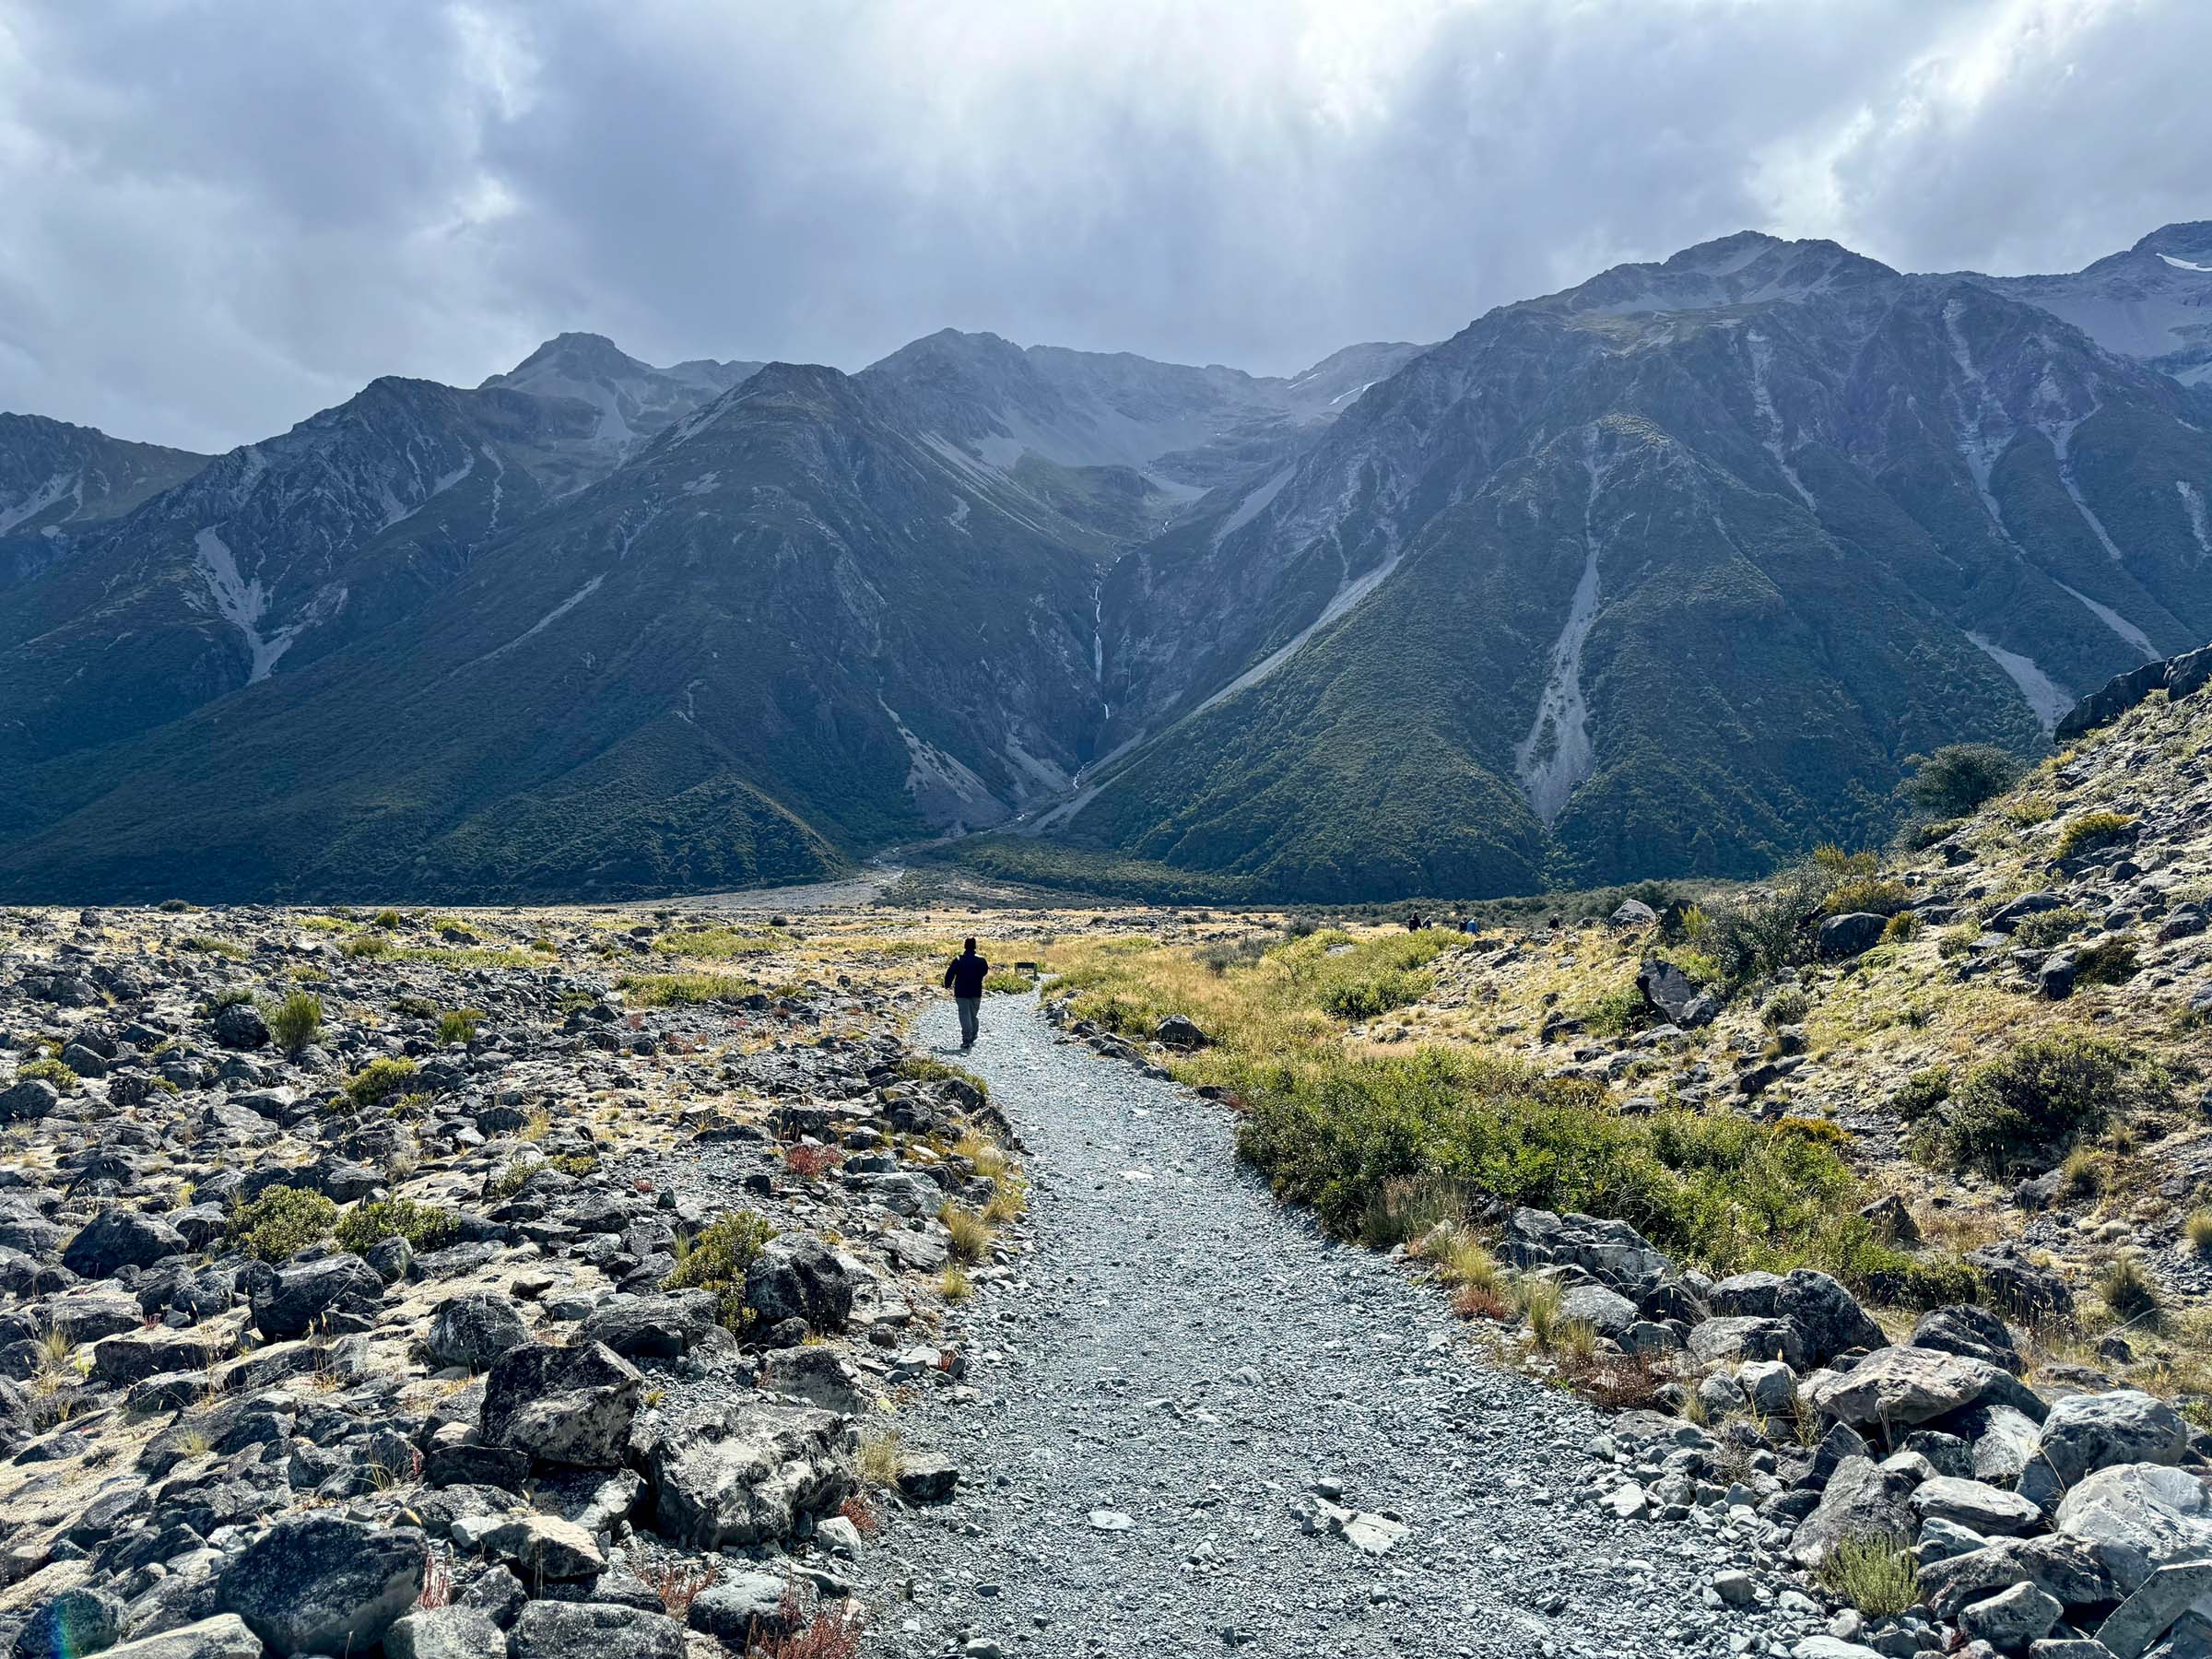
[{"x": 1384, "y": 1145}]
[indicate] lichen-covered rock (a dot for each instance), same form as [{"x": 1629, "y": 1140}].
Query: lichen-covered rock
[
  {"x": 563, "y": 1406},
  {"x": 319, "y": 1583}
]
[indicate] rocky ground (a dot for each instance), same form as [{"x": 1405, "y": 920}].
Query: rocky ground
[{"x": 413, "y": 1316}]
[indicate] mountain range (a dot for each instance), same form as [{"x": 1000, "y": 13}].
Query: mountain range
[{"x": 1670, "y": 572}]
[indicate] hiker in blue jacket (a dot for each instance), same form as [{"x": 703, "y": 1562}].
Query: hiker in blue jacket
[{"x": 965, "y": 977}]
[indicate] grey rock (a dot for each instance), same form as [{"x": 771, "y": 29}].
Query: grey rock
[
  {"x": 2088, "y": 1432},
  {"x": 656, "y": 1327},
  {"x": 474, "y": 1330},
  {"x": 1722, "y": 1340},
  {"x": 1177, "y": 1032},
  {"x": 317, "y": 1583},
  {"x": 747, "y": 1474},
  {"x": 545, "y": 1547},
  {"x": 2010, "y": 1619},
  {"x": 76, "y": 1622},
  {"x": 226, "y": 1636},
  {"x": 28, "y": 1100},
  {"x": 1904, "y": 1385},
  {"x": 743, "y": 1608},
  {"x": 553, "y": 1629},
  {"x": 1863, "y": 1499},
  {"x": 2153, "y": 1606},
  {"x": 121, "y": 1237},
  {"x": 797, "y": 1277},
  {"x": 292, "y": 1299},
  {"x": 2138, "y": 1516},
  {"x": 817, "y": 1375},
  {"x": 1608, "y": 1313},
  {"x": 563, "y": 1406},
  {"x": 1970, "y": 1333},
  {"x": 448, "y": 1632},
  {"x": 927, "y": 1477},
  {"x": 1988, "y": 1511},
  {"x": 1851, "y": 934},
  {"x": 2063, "y": 1567},
  {"x": 1828, "y": 1316}
]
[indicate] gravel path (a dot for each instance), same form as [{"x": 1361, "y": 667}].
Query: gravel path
[{"x": 1185, "y": 1353}]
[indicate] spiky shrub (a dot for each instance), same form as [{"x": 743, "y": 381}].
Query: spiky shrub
[
  {"x": 2109, "y": 962},
  {"x": 281, "y": 1221},
  {"x": 1873, "y": 1574},
  {"x": 49, "y": 1070},
  {"x": 424, "y": 1226},
  {"x": 367, "y": 945},
  {"x": 295, "y": 1020},
  {"x": 970, "y": 1234},
  {"x": 2028, "y": 1106},
  {"x": 2046, "y": 928},
  {"x": 716, "y": 1260},
  {"x": 380, "y": 1078},
  {"x": 459, "y": 1024},
  {"x": 1784, "y": 1008}
]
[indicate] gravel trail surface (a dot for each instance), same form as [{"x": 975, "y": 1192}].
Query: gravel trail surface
[{"x": 1182, "y": 1361}]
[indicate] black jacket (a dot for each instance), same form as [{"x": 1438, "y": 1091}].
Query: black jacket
[{"x": 966, "y": 974}]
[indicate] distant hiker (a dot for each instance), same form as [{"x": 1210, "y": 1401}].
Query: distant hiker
[
  {"x": 965, "y": 977},
  {"x": 1413, "y": 922}
]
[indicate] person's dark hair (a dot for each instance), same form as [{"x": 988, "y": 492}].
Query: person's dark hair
[{"x": 971, "y": 947}]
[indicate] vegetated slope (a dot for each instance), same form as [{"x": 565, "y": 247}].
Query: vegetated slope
[
  {"x": 54, "y": 475},
  {"x": 1664, "y": 575},
  {"x": 784, "y": 631}
]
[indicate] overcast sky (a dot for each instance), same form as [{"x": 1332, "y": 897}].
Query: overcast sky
[{"x": 218, "y": 215}]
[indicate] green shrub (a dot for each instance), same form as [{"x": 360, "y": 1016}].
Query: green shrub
[
  {"x": 2023, "y": 1110},
  {"x": 282, "y": 1221},
  {"x": 1365, "y": 998},
  {"x": 367, "y": 945},
  {"x": 422, "y": 1007},
  {"x": 2046, "y": 928},
  {"x": 209, "y": 946},
  {"x": 1005, "y": 982},
  {"x": 1923, "y": 833},
  {"x": 661, "y": 989},
  {"x": 215, "y": 1002},
  {"x": 716, "y": 1261},
  {"x": 2109, "y": 962},
  {"x": 1615, "y": 1014},
  {"x": 386, "y": 1075},
  {"x": 1900, "y": 928},
  {"x": 295, "y": 1021},
  {"x": 389, "y": 920},
  {"x": 2091, "y": 830},
  {"x": 1957, "y": 778},
  {"x": 1921, "y": 1093},
  {"x": 1873, "y": 1573},
  {"x": 459, "y": 1026},
  {"x": 1878, "y": 895},
  {"x": 922, "y": 1068},
  {"x": 50, "y": 1070},
  {"x": 423, "y": 1226}
]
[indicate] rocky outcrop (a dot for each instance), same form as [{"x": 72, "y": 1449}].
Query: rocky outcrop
[{"x": 2178, "y": 677}]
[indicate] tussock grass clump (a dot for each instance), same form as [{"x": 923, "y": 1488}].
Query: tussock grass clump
[
  {"x": 663, "y": 990},
  {"x": 295, "y": 1020},
  {"x": 879, "y": 1459},
  {"x": 2109, "y": 962},
  {"x": 714, "y": 944},
  {"x": 2128, "y": 1291},
  {"x": 424, "y": 1226},
  {"x": 2197, "y": 1230},
  {"x": 281, "y": 1221},
  {"x": 1615, "y": 1014},
  {"x": 459, "y": 1024},
  {"x": 2046, "y": 928},
  {"x": 971, "y": 1234},
  {"x": 1873, "y": 1574},
  {"x": 2091, "y": 830},
  {"x": 370, "y": 945},
  {"x": 208, "y": 945}
]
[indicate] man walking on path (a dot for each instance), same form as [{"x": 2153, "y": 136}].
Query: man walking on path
[{"x": 966, "y": 978}]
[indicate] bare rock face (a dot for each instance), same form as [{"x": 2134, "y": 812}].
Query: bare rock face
[{"x": 1904, "y": 1385}]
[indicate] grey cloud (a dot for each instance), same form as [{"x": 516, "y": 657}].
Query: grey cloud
[{"x": 224, "y": 214}]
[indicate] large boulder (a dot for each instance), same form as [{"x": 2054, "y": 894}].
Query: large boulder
[
  {"x": 474, "y": 1330},
  {"x": 2058, "y": 1565},
  {"x": 226, "y": 1636},
  {"x": 1990, "y": 1510},
  {"x": 652, "y": 1327},
  {"x": 563, "y": 1405},
  {"x": 797, "y": 1277},
  {"x": 1852, "y": 934},
  {"x": 1612, "y": 1252},
  {"x": 1742, "y": 1337},
  {"x": 2153, "y": 1606},
  {"x": 319, "y": 1583},
  {"x": 291, "y": 1301},
  {"x": 450, "y": 1632},
  {"x": 1608, "y": 1313},
  {"x": 2138, "y": 1516},
  {"x": 2088, "y": 1432},
  {"x": 1901, "y": 1386},
  {"x": 240, "y": 1026},
  {"x": 2011, "y": 1618},
  {"x": 121, "y": 1237},
  {"x": 1971, "y": 1333},
  {"x": 746, "y": 1475},
  {"x": 1863, "y": 1499},
  {"x": 27, "y": 1100},
  {"x": 1668, "y": 994},
  {"x": 69, "y": 1625},
  {"x": 560, "y": 1630},
  {"x": 818, "y": 1375},
  {"x": 1830, "y": 1316}
]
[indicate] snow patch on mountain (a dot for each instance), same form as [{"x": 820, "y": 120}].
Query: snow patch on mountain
[{"x": 2051, "y": 701}]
